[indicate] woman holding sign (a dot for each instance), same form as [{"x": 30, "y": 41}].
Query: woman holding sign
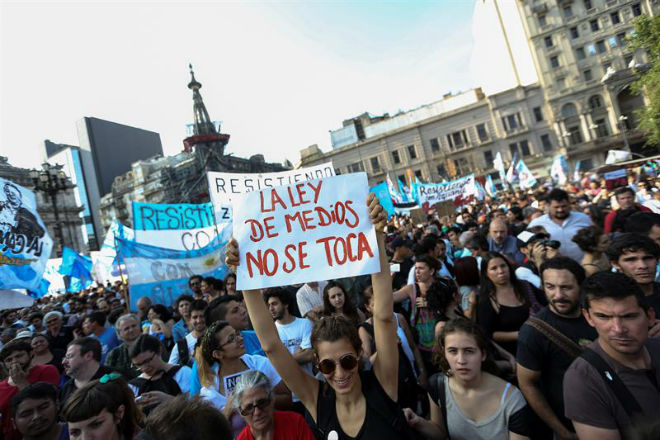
[{"x": 351, "y": 403}]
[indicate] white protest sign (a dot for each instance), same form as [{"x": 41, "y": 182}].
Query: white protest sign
[
  {"x": 456, "y": 190},
  {"x": 179, "y": 239},
  {"x": 308, "y": 231},
  {"x": 223, "y": 187}
]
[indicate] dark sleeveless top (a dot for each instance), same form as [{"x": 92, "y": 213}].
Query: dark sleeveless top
[{"x": 384, "y": 418}]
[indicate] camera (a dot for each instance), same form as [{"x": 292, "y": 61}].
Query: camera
[{"x": 551, "y": 243}]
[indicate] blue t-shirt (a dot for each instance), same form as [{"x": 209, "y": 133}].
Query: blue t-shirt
[{"x": 108, "y": 340}]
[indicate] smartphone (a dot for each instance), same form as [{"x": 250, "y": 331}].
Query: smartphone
[{"x": 139, "y": 399}]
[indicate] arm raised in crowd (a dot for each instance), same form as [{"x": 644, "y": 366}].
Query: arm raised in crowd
[
  {"x": 386, "y": 365},
  {"x": 296, "y": 379}
]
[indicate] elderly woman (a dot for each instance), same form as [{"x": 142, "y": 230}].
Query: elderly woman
[{"x": 253, "y": 399}]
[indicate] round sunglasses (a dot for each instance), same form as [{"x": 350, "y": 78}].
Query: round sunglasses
[{"x": 347, "y": 362}]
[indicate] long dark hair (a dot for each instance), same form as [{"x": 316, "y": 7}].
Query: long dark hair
[
  {"x": 463, "y": 325},
  {"x": 487, "y": 288},
  {"x": 90, "y": 400},
  {"x": 348, "y": 309}
]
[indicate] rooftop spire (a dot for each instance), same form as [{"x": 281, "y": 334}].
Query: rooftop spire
[{"x": 203, "y": 124}]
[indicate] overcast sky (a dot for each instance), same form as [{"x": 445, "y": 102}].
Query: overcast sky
[{"x": 279, "y": 75}]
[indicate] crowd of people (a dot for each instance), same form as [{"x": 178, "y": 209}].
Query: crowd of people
[{"x": 533, "y": 315}]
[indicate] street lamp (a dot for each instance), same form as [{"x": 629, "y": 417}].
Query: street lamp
[{"x": 50, "y": 180}]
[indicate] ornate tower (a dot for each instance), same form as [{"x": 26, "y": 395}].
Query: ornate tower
[{"x": 206, "y": 141}]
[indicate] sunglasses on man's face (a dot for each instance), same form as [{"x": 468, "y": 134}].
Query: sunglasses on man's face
[
  {"x": 261, "y": 404},
  {"x": 347, "y": 362}
]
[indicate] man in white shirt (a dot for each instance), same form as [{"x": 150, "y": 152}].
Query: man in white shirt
[
  {"x": 184, "y": 350},
  {"x": 310, "y": 297},
  {"x": 294, "y": 332}
]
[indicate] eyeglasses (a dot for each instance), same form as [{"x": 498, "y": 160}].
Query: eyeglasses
[
  {"x": 261, "y": 404},
  {"x": 347, "y": 362},
  {"x": 144, "y": 362},
  {"x": 233, "y": 338}
]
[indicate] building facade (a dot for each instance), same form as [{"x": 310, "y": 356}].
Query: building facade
[
  {"x": 585, "y": 68},
  {"x": 458, "y": 135},
  {"x": 68, "y": 210},
  {"x": 180, "y": 178}
]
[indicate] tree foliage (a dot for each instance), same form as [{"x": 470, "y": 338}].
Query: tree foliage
[{"x": 647, "y": 38}]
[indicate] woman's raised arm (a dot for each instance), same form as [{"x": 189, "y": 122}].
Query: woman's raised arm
[
  {"x": 299, "y": 382},
  {"x": 386, "y": 365}
]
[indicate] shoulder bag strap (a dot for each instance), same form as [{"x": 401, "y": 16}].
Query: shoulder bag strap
[
  {"x": 622, "y": 393},
  {"x": 555, "y": 336}
]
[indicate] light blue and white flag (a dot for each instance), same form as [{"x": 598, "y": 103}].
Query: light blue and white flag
[
  {"x": 498, "y": 164},
  {"x": 490, "y": 188},
  {"x": 405, "y": 192},
  {"x": 576, "y": 171},
  {"x": 511, "y": 175},
  {"x": 162, "y": 274},
  {"x": 106, "y": 265},
  {"x": 394, "y": 193},
  {"x": 25, "y": 245},
  {"x": 78, "y": 268},
  {"x": 559, "y": 169},
  {"x": 526, "y": 178}
]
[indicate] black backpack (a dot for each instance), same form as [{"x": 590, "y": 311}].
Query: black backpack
[{"x": 184, "y": 354}]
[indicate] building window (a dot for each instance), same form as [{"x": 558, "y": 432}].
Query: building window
[
  {"x": 574, "y": 135},
  {"x": 554, "y": 62},
  {"x": 435, "y": 145},
  {"x": 548, "y": 41},
  {"x": 375, "y": 165},
  {"x": 457, "y": 139},
  {"x": 513, "y": 149},
  {"x": 600, "y": 46},
  {"x": 594, "y": 25},
  {"x": 411, "y": 152},
  {"x": 612, "y": 42},
  {"x": 601, "y": 128},
  {"x": 538, "y": 114},
  {"x": 482, "y": 132},
  {"x": 395, "y": 157},
  {"x": 402, "y": 178},
  {"x": 545, "y": 141},
  {"x": 542, "y": 20},
  {"x": 356, "y": 167},
  {"x": 628, "y": 59},
  {"x": 621, "y": 38},
  {"x": 524, "y": 147},
  {"x": 574, "y": 33},
  {"x": 569, "y": 110},
  {"x": 587, "y": 4},
  {"x": 579, "y": 52},
  {"x": 511, "y": 122},
  {"x": 587, "y": 75},
  {"x": 337, "y": 171},
  {"x": 488, "y": 157},
  {"x": 595, "y": 102},
  {"x": 568, "y": 11},
  {"x": 616, "y": 18},
  {"x": 441, "y": 170},
  {"x": 561, "y": 83},
  {"x": 462, "y": 166},
  {"x": 418, "y": 174},
  {"x": 636, "y": 9},
  {"x": 591, "y": 49}
]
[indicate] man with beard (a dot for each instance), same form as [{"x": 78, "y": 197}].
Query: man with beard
[
  {"x": 612, "y": 390},
  {"x": 119, "y": 358},
  {"x": 17, "y": 356},
  {"x": 545, "y": 354},
  {"x": 82, "y": 363},
  {"x": 195, "y": 284},
  {"x": 637, "y": 255},
  {"x": 562, "y": 224},
  {"x": 183, "y": 352},
  {"x": 294, "y": 332},
  {"x": 34, "y": 410}
]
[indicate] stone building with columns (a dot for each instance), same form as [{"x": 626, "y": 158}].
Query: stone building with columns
[
  {"x": 455, "y": 136},
  {"x": 585, "y": 68}
]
